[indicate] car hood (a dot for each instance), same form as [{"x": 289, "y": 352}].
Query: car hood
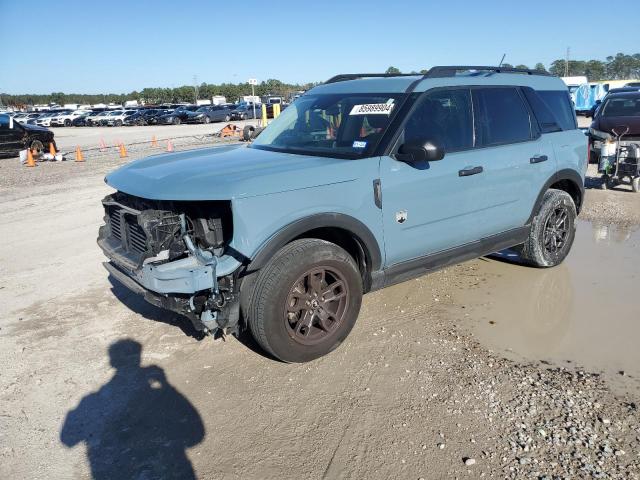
[
  {"x": 606, "y": 124},
  {"x": 30, "y": 127},
  {"x": 225, "y": 173}
]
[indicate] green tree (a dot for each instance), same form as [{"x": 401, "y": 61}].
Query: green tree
[
  {"x": 540, "y": 66},
  {"x": 523, "y": 66},
  {"x": 393, "y": 70}
]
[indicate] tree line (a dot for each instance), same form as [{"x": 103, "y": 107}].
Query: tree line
[
  {"x": 618, "y": 67},
  {"x": 185, "y": 93}
]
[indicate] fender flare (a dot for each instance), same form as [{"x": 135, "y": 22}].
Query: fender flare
[
  {"x": 286, "y": 234},
  {"x": 298, "y": 227},
  {"x": 566, "y": 174}
]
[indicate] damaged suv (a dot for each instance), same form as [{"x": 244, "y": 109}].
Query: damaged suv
[{"x": 365, "y": 181}]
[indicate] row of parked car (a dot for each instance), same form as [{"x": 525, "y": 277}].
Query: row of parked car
[{"x": 160, "y": 115}]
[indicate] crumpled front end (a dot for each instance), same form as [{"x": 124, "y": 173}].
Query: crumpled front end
[{"x": 169, "y": 252}]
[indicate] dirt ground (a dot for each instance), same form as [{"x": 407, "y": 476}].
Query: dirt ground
[{"x": 95, "y": 383}]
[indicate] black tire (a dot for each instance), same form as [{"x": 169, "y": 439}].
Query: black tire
[
  {"x": 227, "y": 118},
  {"x": 247, "y": 132},
  {"x": 269, "y": 315},
  {"x": 548, "y": 246},
  {"x": 117, "y": 123},
  {"x": 36, "y": 146},
  {"x": 176, "y": 121},
  {"x": 67, "y": 123},
  {"x": 243, "y": 117},
  {"x": 206, "y": 119}
]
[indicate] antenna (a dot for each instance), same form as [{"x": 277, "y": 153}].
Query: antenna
[
  {"x": 502, "y": 59},
  {"x": 566, "y": 63}
]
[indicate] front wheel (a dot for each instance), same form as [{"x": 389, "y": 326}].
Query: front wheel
[
  {"x": 207, "y": 119},
  {"x": 36, "y": 146},
  {"x": 552, "y": 231},
  {"x": 305, "y": 300},
  {"x": 67, "y": 123},
  {"x": 176, "y": 121},
  {"x": 227, "y": 118}
]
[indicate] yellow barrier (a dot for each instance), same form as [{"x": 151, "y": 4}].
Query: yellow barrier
[
  {"x": 276, "y": 110},
  {"x": 264, "y": 115}
]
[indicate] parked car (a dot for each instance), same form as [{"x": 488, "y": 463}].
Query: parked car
[
  {"x": 245, "y": 111},
  {"x": 100, "y": 118},
  {"x": 15, "y": 137},
  {"x": 361, "y": 185},
  {"x": 43, "y": 120},
  {"x": 66, "y": 118},
  {"x": 117, "y": 117},
  {"x": 210, "y": 113},
  {"x": 618, "y": 111},
  {"x": 82, "y": 120},
  {"x": 177, "y": 116},
  {"x": 23, "y": 118},
  {"x": 597, "y": 104}
]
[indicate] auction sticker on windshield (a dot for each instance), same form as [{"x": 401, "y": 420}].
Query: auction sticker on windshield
[{"x": 372, "y": 109}]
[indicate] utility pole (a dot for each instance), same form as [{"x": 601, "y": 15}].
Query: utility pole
[
  {"x": 195, "y": 89},
  {"x": 566, "y": 63},
  {"x": 253, "y": 82}
]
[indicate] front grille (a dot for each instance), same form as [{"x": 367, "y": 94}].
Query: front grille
[{"x": 125, "y": 229}]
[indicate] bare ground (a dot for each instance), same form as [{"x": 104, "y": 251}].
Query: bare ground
[{"x": 409, "y": 394}]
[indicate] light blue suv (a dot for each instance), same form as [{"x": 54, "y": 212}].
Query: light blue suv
[{"x": 363, "y": 182}]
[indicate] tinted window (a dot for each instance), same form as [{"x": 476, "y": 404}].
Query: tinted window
[
  {"x": 559, "y": 102},
  {"x": 4, "y": 122},
  {"x": 444, "y": 117},
  {"x": 500, "y": 116},
  {"x": 546, "y": 119},
  {"x": 621, "y": 107}
]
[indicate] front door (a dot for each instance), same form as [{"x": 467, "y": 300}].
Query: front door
[{"x": 11, "y": 135}]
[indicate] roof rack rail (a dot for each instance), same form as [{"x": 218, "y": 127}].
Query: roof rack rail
[
  {"x": 354, "y": 76},
  {"x": 450, "y": 71},
  {"x": 438, "y": 72}
]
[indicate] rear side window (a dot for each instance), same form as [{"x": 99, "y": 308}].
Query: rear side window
[
  {"x": 560, "y": 104},
  {"x": 443, "y": 117},
  {"x": 500, "y": 116},
  {"x": 546, "y": 119}
]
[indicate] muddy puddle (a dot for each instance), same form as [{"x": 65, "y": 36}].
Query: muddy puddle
[{"x": 586, "y": 312}]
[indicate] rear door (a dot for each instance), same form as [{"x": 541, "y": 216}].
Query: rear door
[{"x": 516, "y": 158}]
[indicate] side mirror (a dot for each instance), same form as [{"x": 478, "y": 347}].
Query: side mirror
[{"x": 420, "y": 151}]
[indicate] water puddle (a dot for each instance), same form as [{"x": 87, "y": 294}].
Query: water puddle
[{"x": 585, "y": 312}]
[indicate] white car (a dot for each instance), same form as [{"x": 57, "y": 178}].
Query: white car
[
  {"x": 66, "y": 118},
  {"x": 100, "y": 118},
  {"x": 43, "y": 120},
  {"x": 116, "y": 117},
  {"x": 24, "y": 117}
]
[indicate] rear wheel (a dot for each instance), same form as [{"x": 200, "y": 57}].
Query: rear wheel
[
  {"x": 305, "y": 300},
  {"x": 67, "y": 123},
  {"x": 176, "y": 121},
  {"x": 117, "y": 123},
  {"x": 552, "y": 231}
]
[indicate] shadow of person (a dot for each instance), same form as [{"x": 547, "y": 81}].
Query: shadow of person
[{"x": 137, "y": 425}]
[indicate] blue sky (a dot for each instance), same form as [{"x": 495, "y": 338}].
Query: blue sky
[{"x": 115, "y": 46}]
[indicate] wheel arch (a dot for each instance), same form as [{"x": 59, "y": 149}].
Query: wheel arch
[
  {"x": 567, "y": 180},
  {"x": 343, "y": 230}
]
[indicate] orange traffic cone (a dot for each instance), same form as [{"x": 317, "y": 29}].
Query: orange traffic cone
[
  {"x": 52, "y": 149},
  {"x": 123, "y": 151},
  {"x": 169, "y": 146},
  {"x": 103, "y": 146},
  {"x": 79, "y": 155},
  {"x": 154, "y": 141},
  {"x": 30, "y": 161}
]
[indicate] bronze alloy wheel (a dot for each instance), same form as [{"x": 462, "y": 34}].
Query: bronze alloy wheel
[{"x": 316, "y": 305}]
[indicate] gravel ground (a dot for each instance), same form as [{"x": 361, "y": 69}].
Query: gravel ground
[{"x": 409, "y": 395}]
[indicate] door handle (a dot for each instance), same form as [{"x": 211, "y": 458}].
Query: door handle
[
  {"x": 538, "y": 159},
  {"x": 469, "y": 171}
]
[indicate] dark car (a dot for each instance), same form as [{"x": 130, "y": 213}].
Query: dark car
[
  {"x": 143, "y": 116},
  {"x": 618, "y": 111},
  {"x": 177, "y": 116},
  {"x": 210, "y": 113},
  {"x": 245, "y": 110},
  {"x": 82, "y": 120},
  {"x": 624, "y": 89},
  {"x": 15, "y": 137}
]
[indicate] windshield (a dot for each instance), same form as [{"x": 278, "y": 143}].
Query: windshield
[
  {"x": 622, "y": 107},
  {"x": 203, "y": 109},
  {"x": 346, "y": 125}
]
